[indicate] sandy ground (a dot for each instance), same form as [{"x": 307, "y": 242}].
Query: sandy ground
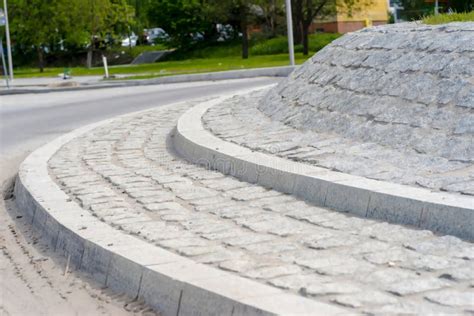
[{"x": 32, "y": 276}]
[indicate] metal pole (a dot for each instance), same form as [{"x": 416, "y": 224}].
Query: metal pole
[
  {"x": 436, "y": 7},
  {"x": 9, "y": 45},
  {"x": 289, "y": 23},
  {"x": 106, "y": 67},
  {"x": 4, "y": 64}
]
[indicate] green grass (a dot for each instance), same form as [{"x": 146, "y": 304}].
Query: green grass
[
  {"x": 170, "y": 67},
  {"x": 218, "y": 57},
  {"x": 447, "y": 18},
  {"x": 216, "y": 50},
  {"x": 279, "y": 45}
]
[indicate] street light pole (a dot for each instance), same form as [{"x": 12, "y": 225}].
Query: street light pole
[
  {"x": 289, "y": 22},
  {"x": 4, "y": 64},
  {"x": 9, "y": 45}
]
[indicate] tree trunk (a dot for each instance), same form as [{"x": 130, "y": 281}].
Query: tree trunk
[
  {"x": 245, "y": 41},
  {"x": 90, "y": 54},
  {"x": 305, "y": 39},
  {"x": 40, "y": 58},
  {"x": 273, "y": 18},
  {"x": 245, "y": 32},
  {"x": 297, "y": 21}
]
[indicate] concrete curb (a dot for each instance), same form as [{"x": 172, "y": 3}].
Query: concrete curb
[
  {"x": 220, "y": 75},
  {"x": 172, "y": 284},
  {"x": 211, "y": 76},
  {"x": 437, "y": 211}
]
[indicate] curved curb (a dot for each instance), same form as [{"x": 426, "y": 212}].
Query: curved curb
[
  {"x": 281, "y": 71},
  {"x": 437, "y": 211},
  {"x": 172, "y": 284}
]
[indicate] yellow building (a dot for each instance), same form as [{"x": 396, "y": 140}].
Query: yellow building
[{"x": 343, "y": 21}]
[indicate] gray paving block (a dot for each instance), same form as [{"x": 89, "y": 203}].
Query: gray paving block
[
  {"x": 96, "y": 261},
  {"x": 450, "y": 220},
  {"x": 311, "y": 190},
  {"x": 346, "y": 198},
  {"x": 161, "y": 292},
  {"x": 395, "y": 209},
  {"x": 124, "y": 275}
]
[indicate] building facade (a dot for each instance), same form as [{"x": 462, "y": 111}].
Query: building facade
[{"x": 341, "y": 21}]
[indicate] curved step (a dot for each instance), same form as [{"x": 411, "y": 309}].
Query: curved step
[
  {"x": 440, "y": 212},
  {"x": 171, "y": 283}
]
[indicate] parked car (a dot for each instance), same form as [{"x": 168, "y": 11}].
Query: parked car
[
  {"x": 155, "y": 34},
  {"x": 130, "y": 40}
]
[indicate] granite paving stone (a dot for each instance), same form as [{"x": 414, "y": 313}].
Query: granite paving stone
[
  {"x": 364, "y": 103},
  {"x": 137, "y": 183}
]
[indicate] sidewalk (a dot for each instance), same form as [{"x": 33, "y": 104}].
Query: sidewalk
[{"x": 51, "y": 82}]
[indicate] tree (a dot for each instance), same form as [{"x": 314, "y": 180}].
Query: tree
[
  {"x": 305, "y": 12},
  {"x": 243, "y": 17},
  {"x": 35, "y": 23},
  {"x": 141, "y": 8},
  {"x": 99, "y": 19},
  {"x": 460, "y": 5},
  {"x": 46, "y": 26},
  {"x": 417, "y": 9},
  {"x": 239, "y": 14},
  {"x": 183, "y": 20},
  {"x": 273, "y": 14},
  {"x": 140, "y": 21}
]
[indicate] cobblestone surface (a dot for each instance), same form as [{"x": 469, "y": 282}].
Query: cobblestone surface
[
  {"x": 239, "y": 120},
  {"x": 127, "y": 174},
  {"x": 391, "y": 103}
]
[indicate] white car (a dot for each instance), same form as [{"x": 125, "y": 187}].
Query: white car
[{"x": 130, "y": 41}]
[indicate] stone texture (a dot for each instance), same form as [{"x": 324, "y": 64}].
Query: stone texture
[
  {"x": 365, "y": 103},
  {"x": 249, "y": 230}
]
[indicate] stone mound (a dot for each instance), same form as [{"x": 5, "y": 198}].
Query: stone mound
[{"x": 407, "y": 87}]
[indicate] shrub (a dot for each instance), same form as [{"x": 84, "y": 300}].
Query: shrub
[
  {"x": 279, "y": 45},
  {"x": 449, "y": 17}
]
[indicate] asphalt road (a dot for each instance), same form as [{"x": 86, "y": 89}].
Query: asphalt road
[{"x": 28, "y": 120}]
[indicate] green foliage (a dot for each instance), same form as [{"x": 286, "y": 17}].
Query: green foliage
[
  {"x": 447, "y": 18},
  {"x": 56, "y": 25},
  {"x": 170, "y": 67},
  {"x": 279, "y": 45},
  {"x": 35, "y": 22},
  {"x": 141, "y": 8},
  {"x": 183, "y": 20},
  {"x": 207, "y": 50},
  {"x": 258, "y": 47},
  {"x": 418, "y": 9},
  {"x": 62, "y": 31},
  {"x": 305, "y": 12}
]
